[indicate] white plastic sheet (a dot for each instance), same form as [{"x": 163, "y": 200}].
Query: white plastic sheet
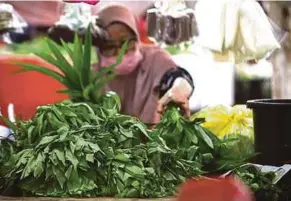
[{"x": 238, "y": 26}]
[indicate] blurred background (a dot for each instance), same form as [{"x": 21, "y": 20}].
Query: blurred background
[{"x": 217, "y": 82}]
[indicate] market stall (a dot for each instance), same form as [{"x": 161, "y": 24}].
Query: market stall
[{"x": 78, "y": 143}]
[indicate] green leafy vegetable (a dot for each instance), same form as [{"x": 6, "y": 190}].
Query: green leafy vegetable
[
  {"x": 261, "y": 183},
  {"x": 81, "y": 83},
  {"x": 83, "y": 147}
]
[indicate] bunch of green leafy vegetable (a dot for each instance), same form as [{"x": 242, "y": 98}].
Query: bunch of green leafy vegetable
[
  {"x": 82, "y": 85},
  {"x": 232, "y": 152},
  {"x": 7, "y": 148},
  {"x": 191, "y": 141},
  {"x": 196, "y": 142},
  {"x": 261, "y": 183},
  {"x": 84, "y": 147},
  {"x": 67, "y": 148}
]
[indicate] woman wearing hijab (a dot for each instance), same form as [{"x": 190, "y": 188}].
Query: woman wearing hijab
[{"x": 147, "y": 78}]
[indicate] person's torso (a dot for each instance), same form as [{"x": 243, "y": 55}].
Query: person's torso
[{"x": 138, "y": 90}]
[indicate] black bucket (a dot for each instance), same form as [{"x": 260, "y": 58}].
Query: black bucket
[{"x": 272, "y": 129}]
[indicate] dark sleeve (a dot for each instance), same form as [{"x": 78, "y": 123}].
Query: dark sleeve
[{"x": 170, "y": 76}]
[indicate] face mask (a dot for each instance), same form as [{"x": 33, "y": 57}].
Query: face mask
[{"x": 128, "y": 64}]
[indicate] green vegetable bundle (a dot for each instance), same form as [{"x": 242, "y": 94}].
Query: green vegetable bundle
[
  {"x": 68, "y": 148},
  {"x": 194, "y": 142},
  {"x": 261, "y": 183},
  {"x": 84, "y": 147},
  {"x": 7, "y": 148}
]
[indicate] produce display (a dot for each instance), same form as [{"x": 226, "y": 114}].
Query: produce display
[{"x": 84, "y": 147}]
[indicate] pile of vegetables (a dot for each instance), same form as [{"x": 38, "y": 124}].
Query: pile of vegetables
[
  {"x": 261, "y": 183},
  {"x": 84, "y": 147}
]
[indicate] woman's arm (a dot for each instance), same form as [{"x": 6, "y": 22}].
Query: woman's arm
[
  {"x": 176, "y": 86},
  {"x": 170, "y": 77}
]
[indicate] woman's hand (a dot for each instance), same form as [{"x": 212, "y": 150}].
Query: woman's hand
[{"x": 179, "y": 94}]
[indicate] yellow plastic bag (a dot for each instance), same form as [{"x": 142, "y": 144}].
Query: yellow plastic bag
[{"x": 226, "y": 121}]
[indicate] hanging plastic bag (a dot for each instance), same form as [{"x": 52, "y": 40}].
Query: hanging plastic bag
[
  {"x": 171, "y": 22},
  {"x": 237, "y": 27},
  {"x": 10, "y": 21},
  {"x": 211, "y": 27},
  {"x": 75, "y": 18},
  {"x": 256, "y": 33},
  {"x": 280, "y": 35}
]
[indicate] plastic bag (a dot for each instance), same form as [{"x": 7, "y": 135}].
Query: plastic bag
[
  {"x": 171, "y": 22},
  {"x": 10, "y": 21},
  {"x": 211, "y": 27},
  {"x": 237, "y": 27},
  {"x": 226, "y": 121},
  {"x": 280, "y": 35},
  {"x": 75, "y": 16},
  {"x": 256, "y": 33}
]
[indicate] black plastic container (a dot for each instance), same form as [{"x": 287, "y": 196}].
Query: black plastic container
[{"x": 272, "y": 128}]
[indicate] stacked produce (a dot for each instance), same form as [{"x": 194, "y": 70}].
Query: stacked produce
[{"x": 84, "y": 147}]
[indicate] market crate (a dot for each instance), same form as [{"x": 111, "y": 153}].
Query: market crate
[{"x": 79, "y": 199}]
